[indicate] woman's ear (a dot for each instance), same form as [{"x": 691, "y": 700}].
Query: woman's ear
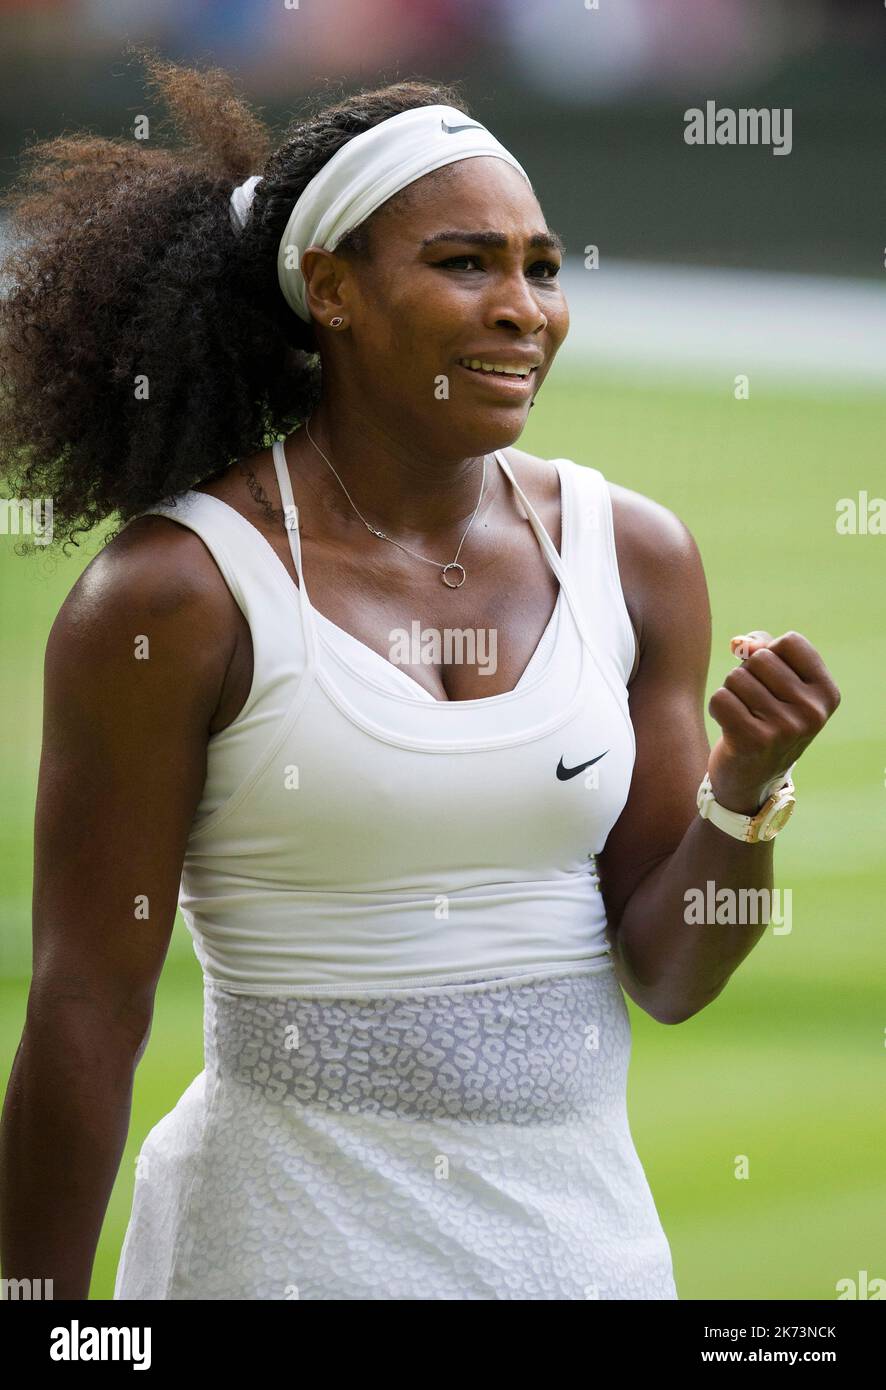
[{"x": 322, "y": 271}]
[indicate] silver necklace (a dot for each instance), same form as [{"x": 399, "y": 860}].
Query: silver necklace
[{"x": 452, "y": 565}]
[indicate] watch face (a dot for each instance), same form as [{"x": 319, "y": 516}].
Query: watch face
[{"x": 779, "y": 817}]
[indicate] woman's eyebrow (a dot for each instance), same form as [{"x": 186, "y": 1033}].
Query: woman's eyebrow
[{"x": 550, "y": 240}]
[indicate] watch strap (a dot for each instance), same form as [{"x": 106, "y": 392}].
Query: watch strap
[
  {"x": 750, "y": 829},
  {"x": 775, "y": 785}
]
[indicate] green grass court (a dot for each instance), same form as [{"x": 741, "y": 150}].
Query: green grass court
[{"x": 787, "y": 1066}]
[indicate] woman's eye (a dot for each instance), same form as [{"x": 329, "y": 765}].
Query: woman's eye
[{"x": 551, "y": 267}]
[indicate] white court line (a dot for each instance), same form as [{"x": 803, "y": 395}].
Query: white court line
[{"x": 671, "y": 319}]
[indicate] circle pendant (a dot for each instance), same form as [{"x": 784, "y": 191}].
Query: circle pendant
[{"x": 453, "y": 566}]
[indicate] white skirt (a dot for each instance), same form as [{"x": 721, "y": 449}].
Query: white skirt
[{"x": 453, "y": 1141}]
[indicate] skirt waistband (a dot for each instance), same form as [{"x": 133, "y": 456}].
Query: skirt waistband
[{"x": 533, "y": 1049}]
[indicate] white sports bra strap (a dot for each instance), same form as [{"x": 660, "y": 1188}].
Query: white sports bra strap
[
  {"x": 535, "y": 521},
  {"x": 290, "y": 511}
]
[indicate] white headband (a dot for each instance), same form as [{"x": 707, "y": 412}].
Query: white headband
[{"x": 361, "y": 176}]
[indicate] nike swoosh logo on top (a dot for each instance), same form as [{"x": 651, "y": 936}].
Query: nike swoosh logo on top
[
  {"x": 451, "y": 129},
  {"x": 564, "y": 773}
]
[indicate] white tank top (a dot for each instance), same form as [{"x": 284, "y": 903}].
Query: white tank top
[{"x": 353, "y": 830}]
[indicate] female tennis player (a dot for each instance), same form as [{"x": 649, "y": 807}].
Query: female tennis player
[{"x": 408, "y": 720}]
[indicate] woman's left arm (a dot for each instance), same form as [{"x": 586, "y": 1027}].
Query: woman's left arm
[{"x": 769, "y": 709}]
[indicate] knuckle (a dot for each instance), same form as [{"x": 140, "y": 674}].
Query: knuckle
[
  {"x": 817, "y": 721},
  {"x": 788, "y": 641},
  {"x": 805, "y": 714},
  {"x": 794, "y": 724},
  {"x": 763, "y": 656}
]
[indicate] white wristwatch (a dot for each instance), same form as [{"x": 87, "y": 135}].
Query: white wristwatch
[{"x": 774, "y": 813}]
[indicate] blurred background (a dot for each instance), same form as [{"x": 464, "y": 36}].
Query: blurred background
[{"x": 712, "y": 263}]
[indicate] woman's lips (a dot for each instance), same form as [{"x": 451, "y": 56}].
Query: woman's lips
[{"x": 501, "y": 384}]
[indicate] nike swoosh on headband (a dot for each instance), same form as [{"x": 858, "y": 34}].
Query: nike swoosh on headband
[
  {"x": 451, "y": 129},
  {"x": 564, "y": 773}
]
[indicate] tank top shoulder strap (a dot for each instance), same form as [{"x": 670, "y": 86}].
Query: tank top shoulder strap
[
  {"x": 593, "y": 566},
  {"x": 527, "y": 509},
  {"x": 257, "y": 580},
  {"x": 224, "y": 533},
  {"x": 290, "y": 510},
  {"x": 560, "y": 561}
]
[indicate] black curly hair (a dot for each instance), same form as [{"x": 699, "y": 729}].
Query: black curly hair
[{"x": 144, "y": 346}]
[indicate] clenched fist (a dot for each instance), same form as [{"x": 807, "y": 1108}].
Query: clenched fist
[{"x": 769, "y": 708}]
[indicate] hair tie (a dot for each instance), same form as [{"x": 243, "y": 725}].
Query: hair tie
[{"x": 241, "y": 201}]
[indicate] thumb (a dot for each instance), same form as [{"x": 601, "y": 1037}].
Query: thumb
[{"x": 747, "y": 643}]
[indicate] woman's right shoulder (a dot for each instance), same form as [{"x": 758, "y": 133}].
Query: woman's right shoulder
[
  {"x": 154, "y": 563},
  {"x": 155, "y": 579}
]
